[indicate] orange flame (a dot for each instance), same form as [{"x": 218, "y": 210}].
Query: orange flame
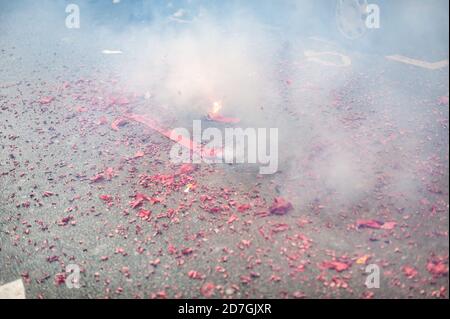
[{"x": 217, "y": 106}]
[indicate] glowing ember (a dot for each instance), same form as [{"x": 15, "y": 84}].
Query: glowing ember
[
  {"x": 217, "y": 106},
  {"x": 214, "y": 115}
]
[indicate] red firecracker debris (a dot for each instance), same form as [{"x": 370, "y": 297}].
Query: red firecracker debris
[
  {"x": 187, "y": 169},
  {"x": 122, "y": 101},
  {"x": 46, "y": 100},
  {"x": 171, "y": 249},
  {"x": 203, "y": 151},
  {"x": 336, "y": 265},
  {"x": 278, "y": 228},
  {"x": 139, "y": 199},
  {"x": 207, "y": 290},
  {"x": 187, "y": 251},
  {"x": 118, "y": 123},
  {"x": 242, "y": 208},
  {"x": 97, "y": 178},
  {"x": 144, "y": 214},
  {"x": 106, "y": 198},
  {"x": 102, "y": 120},
  {"x": 195, "y": 275},
  {"x": 222, "y": 119},
  {"x": 280, "y": 206},
  {"x": 139, "y": 154},
  {"x": 108, "y": 174},
  {"x": 65, "y": 220},
  {"x": 410, "y": 272},
  {"x": 232, "y": 219},
  {"x": 375, "y": 224},
  {"x": 388, "y": 225},
  {"x": 443, "y": 101},
  {"x": 60, "y": 278},
  {"x": 437, "y": 267}
]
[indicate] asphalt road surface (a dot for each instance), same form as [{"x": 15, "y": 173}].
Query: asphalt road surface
[{"x": 363, "y": 161}]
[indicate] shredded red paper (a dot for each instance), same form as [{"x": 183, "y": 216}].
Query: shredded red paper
[
  {"x": 222, "y": 119},
  {"x": 280, "y": 206}
]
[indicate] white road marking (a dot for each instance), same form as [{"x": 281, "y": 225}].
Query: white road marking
[
  {"x": 419, "y": 63},
  {"x": 112, "y": 52},
  {"x": 314, "y": 56}
]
